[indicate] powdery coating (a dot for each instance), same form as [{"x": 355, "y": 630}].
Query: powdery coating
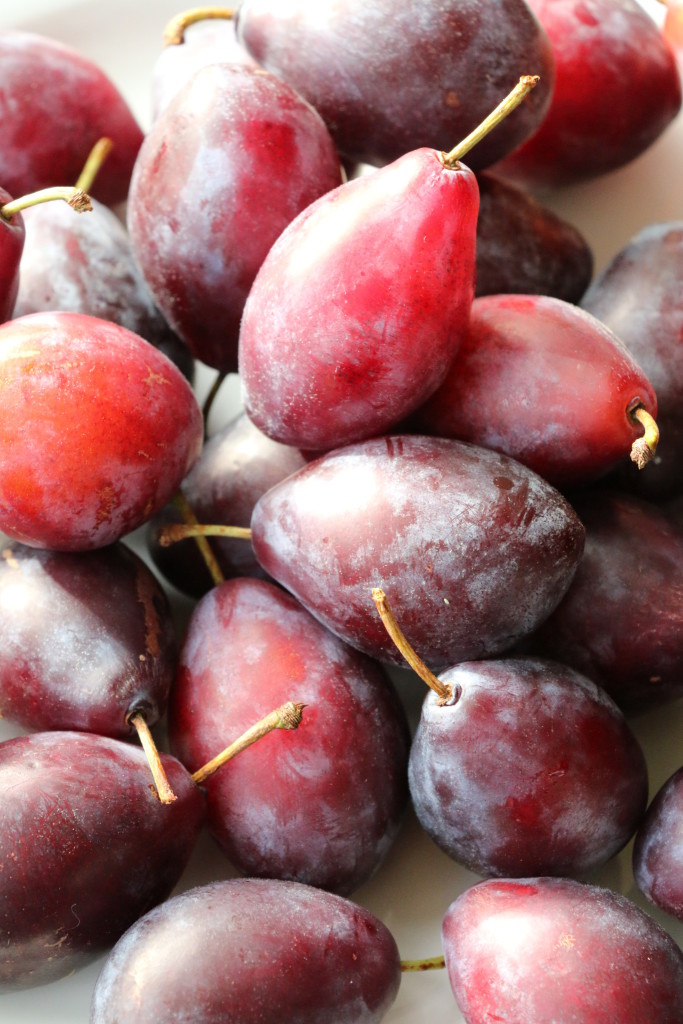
[
  {"x": 86, "y": 847},
  {"x": 532, "y": 771},
  {"x": 205, "y": 42},
  {"x": 621, "y": 621},
  {"x": 229, "y": 163},
  {"x": 248, "y": 951},
  {"x": 237, "y": 465},
  {"x": 321, "y": 804},
  {"x": 97, "y": 431},
  {"x": 524, "y": 247},
  {"x": 85, "y": 639},
  {"x": 54, "y": 105},
  {"x": 359, "y": 307},
  {"x": 617, "y": 87},
  {"x": 658, "y": 849},
  {"x": 554, "y": 951},
  {"x": 472, "y": 549},
  {"x": 84, "y": 264},
  {"x": 638, "y": 296},
  {"x": 12, "y": 238},
  {"x": 545, "y": 382},
  {"x": 388, "y": 78}
]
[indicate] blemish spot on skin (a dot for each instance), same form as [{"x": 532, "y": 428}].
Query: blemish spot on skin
[
  {"x": 108, "y": 502},
  {"x": 155, "y": 378},
  {"x": 452, "y": 99},
  {"x": 566, "y": 941},
  {"x": 144, "y": 454},
  {"x": 503, "y": 483},
  {"x": 446, "y": 601},
  {"x": 145, "y": 595}
]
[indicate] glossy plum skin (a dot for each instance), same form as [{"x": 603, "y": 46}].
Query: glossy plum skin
[
  {"x": 97, "y": 430},
  {"x": 357, "y": 311},
  {"x": 541, "y": 380},
  {"x": 206, "y": 42},
  {"x": 617, "y": 87},
  {"x": 246, "y": 951},
  {"x": 85, "y": 265},
  {"x": 12, "y": 237},
  {"x": 55, "y": 104},
  {"x": 658, "y": 849},
  {"x": 522, "y": 246},
  {"x": 238, "y": 464},
  {"x": 532, "y": 770},
  {"x": 389, "y": 78},
  {"x": 546, "y": 950},
  {"x": 86, "y": 847},
  {"x": 323, "y": 804},
  {"x": 621, "y": 621},
  {"x": 470, "y": 547},
  {"x": 230, "y": 162},
  {"x": 86, "y": 640},
  {"x": 638, "y": 296}
]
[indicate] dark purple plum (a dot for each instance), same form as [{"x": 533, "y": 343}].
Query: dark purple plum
[
  {"x": 658, "y": 849},
  {"x": 12, "y": 239},
  {"x": 86, "y": 640},
  {"x": 321, "y": 806},
  {"x": 391, "y": 77},
  {"x": 531, "y": 769},
  {"x": 86, "y": 848},
  {"x": 638, "y": 296},
  {"x": 237, "y": 465},
  {"x": 229, "y": 163},
  {"x": 545, "y": 950},
  {"x": 473, "y": 549},
  {"x": 247, "y": 951},
  {"x": 522, "y": 246},
  {"x": 85, "y": 265},
  {"x": 621, "y": 621}
]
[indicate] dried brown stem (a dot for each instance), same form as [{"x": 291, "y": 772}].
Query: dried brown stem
[
  {"x": 392, "y": 627},
  {"x": 166, "y": 794},
  {"x": 174, "y": 33},
  {"x": 288, "y": 716},
  {"x": 190, "y": 522},
  {"x": 644, "y": 448},
  {"x": 76, "y": 198},
  {"x": 433, "y": 963}
]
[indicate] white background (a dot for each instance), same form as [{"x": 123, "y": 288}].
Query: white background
[{"x": 416, "y": 885}]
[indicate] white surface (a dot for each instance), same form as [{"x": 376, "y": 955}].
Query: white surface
[{"x": 414, "y": 888}]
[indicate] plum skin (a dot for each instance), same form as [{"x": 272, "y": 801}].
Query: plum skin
[{"x": 658, "y": 849}]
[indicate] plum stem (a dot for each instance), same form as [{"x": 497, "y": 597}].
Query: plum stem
[
  {"x": 643, "y": 448},
  {"x": 210, "y": 398},
  {"x": 392, "y": 627},
  {"x": 190, "y": 522},
  {"x": 166, "y": 794},
  {"x": 91, "y": 168},
  {"x": 433, "y": 963},
  {"x": 287, "y": 716},
  {"x": 77, "y": 199},
  {"x": 505, "y": 107},
  {"x": 174, "y": 532},
  {"x": 174, "y": 33}
]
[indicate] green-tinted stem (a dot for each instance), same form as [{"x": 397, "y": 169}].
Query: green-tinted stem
[
  {"x": 643, "y": 448},
  {"x": 434, "y": 963},
  {"x": 190, "y": 521},
  {"x": 91, "y": 168},
  {"x": 414, "y": 660},
  {"x": 166, "y": 794},
  {"x": 510, "y": 103},
  {"x": 77, "y": 199},
  {"x": 288, "y": 716},
  {"x": 174, "y": 33},
  {"x": 209, "y": 400},
  {"x": 174, "y": 532}
]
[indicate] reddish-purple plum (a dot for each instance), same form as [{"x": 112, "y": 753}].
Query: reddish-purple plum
[
  {"x": 97, "y": 430},
  {"x": 322, "y": 805},
  {"x": 229, "y": 163},
  {"x": 86, "y": 848},
  {"x": 389, "y": 77},
  {"x": 545, "y": 382},
  {"x": 545, "y": 950},
  {"x": 529, "y": 769},
  {"x": 12, "y": 238},
  {"x": 474, "y": 549},
  {"x": 55, "y": 104},
  {"x": 638, "y": 296},
  {"x": 658, "y": 849},
  {"x": 250, "y": 951},
  {"x": 86, "y": 640},
  {"x": 617, "y": 87},
  {"x": 237, "y": 465},
  {"x": 621, "y": 621}
]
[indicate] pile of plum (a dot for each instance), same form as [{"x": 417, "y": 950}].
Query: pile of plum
[{"x": 458, "y": 449}]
